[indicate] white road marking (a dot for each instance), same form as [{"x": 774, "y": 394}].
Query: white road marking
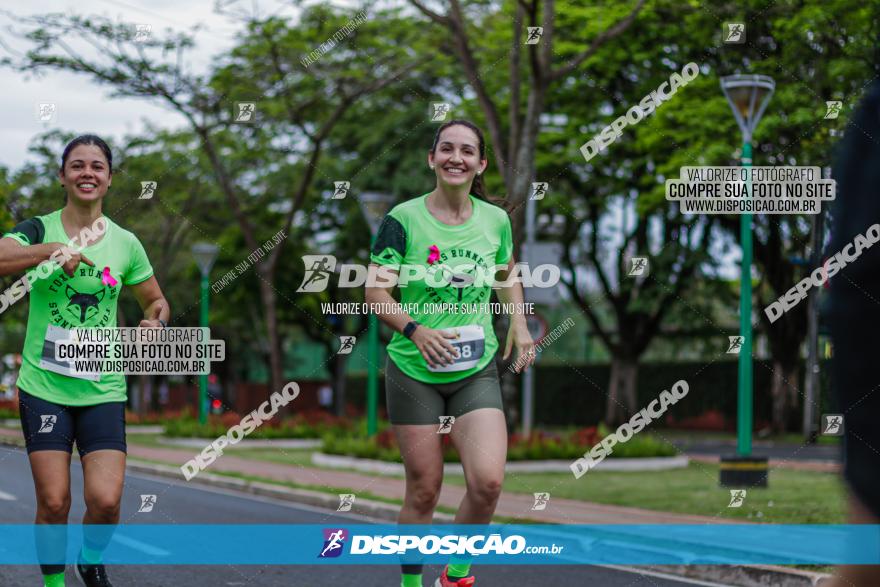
[{"x": 7, "y": 496}]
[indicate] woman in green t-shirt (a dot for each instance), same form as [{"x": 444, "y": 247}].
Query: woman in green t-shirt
[
  {"x": 76, "y": 261},
  {"x": 448, "y": 248}
]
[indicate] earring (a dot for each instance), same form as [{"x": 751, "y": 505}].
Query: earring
[
  {"x": 479, "y": 172},
  {"x": 431, "y": 166}
]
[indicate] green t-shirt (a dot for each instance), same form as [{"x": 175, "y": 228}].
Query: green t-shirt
[
  {"x": 87, "y": 300},
  {"x": 456, "y": 261}
]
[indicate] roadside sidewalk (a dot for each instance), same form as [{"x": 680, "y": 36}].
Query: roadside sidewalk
[{"x": 511, "y": 505}]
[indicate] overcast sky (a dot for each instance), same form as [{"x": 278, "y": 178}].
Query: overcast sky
[{"x": 83, "y": 106}]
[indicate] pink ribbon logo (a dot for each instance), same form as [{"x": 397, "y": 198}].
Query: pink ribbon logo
[
  {"x": 434, "y": 256},
  {"x": 107, "y": 279}
]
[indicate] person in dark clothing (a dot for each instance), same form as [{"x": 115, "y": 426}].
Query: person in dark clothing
[{"x": 854, "y": 317}]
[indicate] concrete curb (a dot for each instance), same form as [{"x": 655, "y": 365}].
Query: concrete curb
[
  {"x": 385, "y": 512},
  {"x": 200, "y": 443},
  {"x": 549, "y": 466},
  {"x": 735, "y": 575}
]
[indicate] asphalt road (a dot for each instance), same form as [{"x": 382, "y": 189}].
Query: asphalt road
[{"x": 180, "y": 503}]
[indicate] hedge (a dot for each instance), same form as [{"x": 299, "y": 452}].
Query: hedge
[{"x": 575, "y": 395}]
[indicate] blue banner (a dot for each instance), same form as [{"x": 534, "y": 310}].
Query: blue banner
[{"x": 531, "y": 544}]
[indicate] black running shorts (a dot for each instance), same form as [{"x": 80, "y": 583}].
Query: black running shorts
[
  {"x": 50, "y": 426},
  {"x": 415, "y": 402}
]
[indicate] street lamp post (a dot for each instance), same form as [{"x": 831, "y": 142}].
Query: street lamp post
[
  {"x": 205, "y": 255},
  {"x": 748, "y": 96},
  {"x": 374, "y": 207}
]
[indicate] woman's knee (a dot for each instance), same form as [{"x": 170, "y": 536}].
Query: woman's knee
[
  {"x": 486, "y": 488},
  {"x": 105, "y": 506},
  {"x": 53, "y": 508},
  {"x": 424, "y": 493}
]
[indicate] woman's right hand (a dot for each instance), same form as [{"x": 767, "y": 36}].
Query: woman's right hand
[
  {"x": 69, "y": 258},
  {"x": 434, "y": 346}
]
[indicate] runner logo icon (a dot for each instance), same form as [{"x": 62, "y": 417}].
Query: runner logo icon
[
  {"x": 832, "y": 108},
  {"x": 318, "y": 270},
  {"x": 832, "y": 424},
  {"x": 340, "y": 190},
  {"x": 439, "y": 111},
  {"x": 639, "y": 264},
  {"x": 539, "y": 190},
  {"x": 147, "y": 503},
  {"x": 346, "y": 344},
  {"x": 245, "y": 111},
  {"x": 47, "y": 423},
  {"x": 334, "y": 541},
  {"x": 148, "y": 189},
  {"x": 735, "y": 32},
  {"x": 541, "y": 500},
  {"x": 535, "y": 33},
  {"x": 736, "y": 343},
  {"x": 346, "y": 500},
  {"x": 446, "y": 423},
  {"x": 737, "y": 497}
]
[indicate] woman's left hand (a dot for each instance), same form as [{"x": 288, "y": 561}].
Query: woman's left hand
[
  {"x": 518, "y": 335},
  {"x": 152, "y": 321}
]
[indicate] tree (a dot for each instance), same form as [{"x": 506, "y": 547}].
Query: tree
[{"x": 299, "y": 105}]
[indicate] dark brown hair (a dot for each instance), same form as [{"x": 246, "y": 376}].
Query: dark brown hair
[
  {"x": 86, "y": 140},
  {"x": 478, "y": 187}
]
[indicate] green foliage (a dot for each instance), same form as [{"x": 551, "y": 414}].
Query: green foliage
[
  {"x": 386, "y": 72},
  {"x": 298, "y": 426},
  {"x": 539, "y": 446}
]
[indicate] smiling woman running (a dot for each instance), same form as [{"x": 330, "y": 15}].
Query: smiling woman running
[
  {"x": 59, "y": 406},
  {"x": 441, "y": 364}
]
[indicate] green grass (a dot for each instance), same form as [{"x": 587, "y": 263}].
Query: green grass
[
  {"x": 284, "y": 456},
  {"x": 802, "y": 497},
  {"x": 797, "y": 497}
]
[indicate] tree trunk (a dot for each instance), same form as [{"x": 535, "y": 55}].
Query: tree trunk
[
  {"x": 339, "y": 384},
  {"x": 269, "y": 302},
  {"x": 621, "y": 403},
  {"x": 785, "y": 395}
]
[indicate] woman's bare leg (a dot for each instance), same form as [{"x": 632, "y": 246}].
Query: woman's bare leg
[
  {"x": 51, "y": 473},
  {"x": 481, "y": 440},
  {"x": 423, "y": 460}
]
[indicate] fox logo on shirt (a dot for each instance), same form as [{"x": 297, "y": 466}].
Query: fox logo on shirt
[
  {"x": 84, "y": 305},
  {"x": 47, "y": 423}
]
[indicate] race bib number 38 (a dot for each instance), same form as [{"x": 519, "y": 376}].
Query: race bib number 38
[
  {"x": 470, "y": 345},
  {"x": 50, "y": 363}
]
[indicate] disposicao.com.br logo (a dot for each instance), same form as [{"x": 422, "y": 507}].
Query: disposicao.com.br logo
[
  {"x": 430, "y": 544},
  {"x": 320, "y": 268}
]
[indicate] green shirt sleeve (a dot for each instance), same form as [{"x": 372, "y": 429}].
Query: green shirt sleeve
[
  {"x": 505, "y": 248},
  {"x": 139, "y": 268},
  {"x": 28, "y": 232},
  {"x": 390, "y": 246}
]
